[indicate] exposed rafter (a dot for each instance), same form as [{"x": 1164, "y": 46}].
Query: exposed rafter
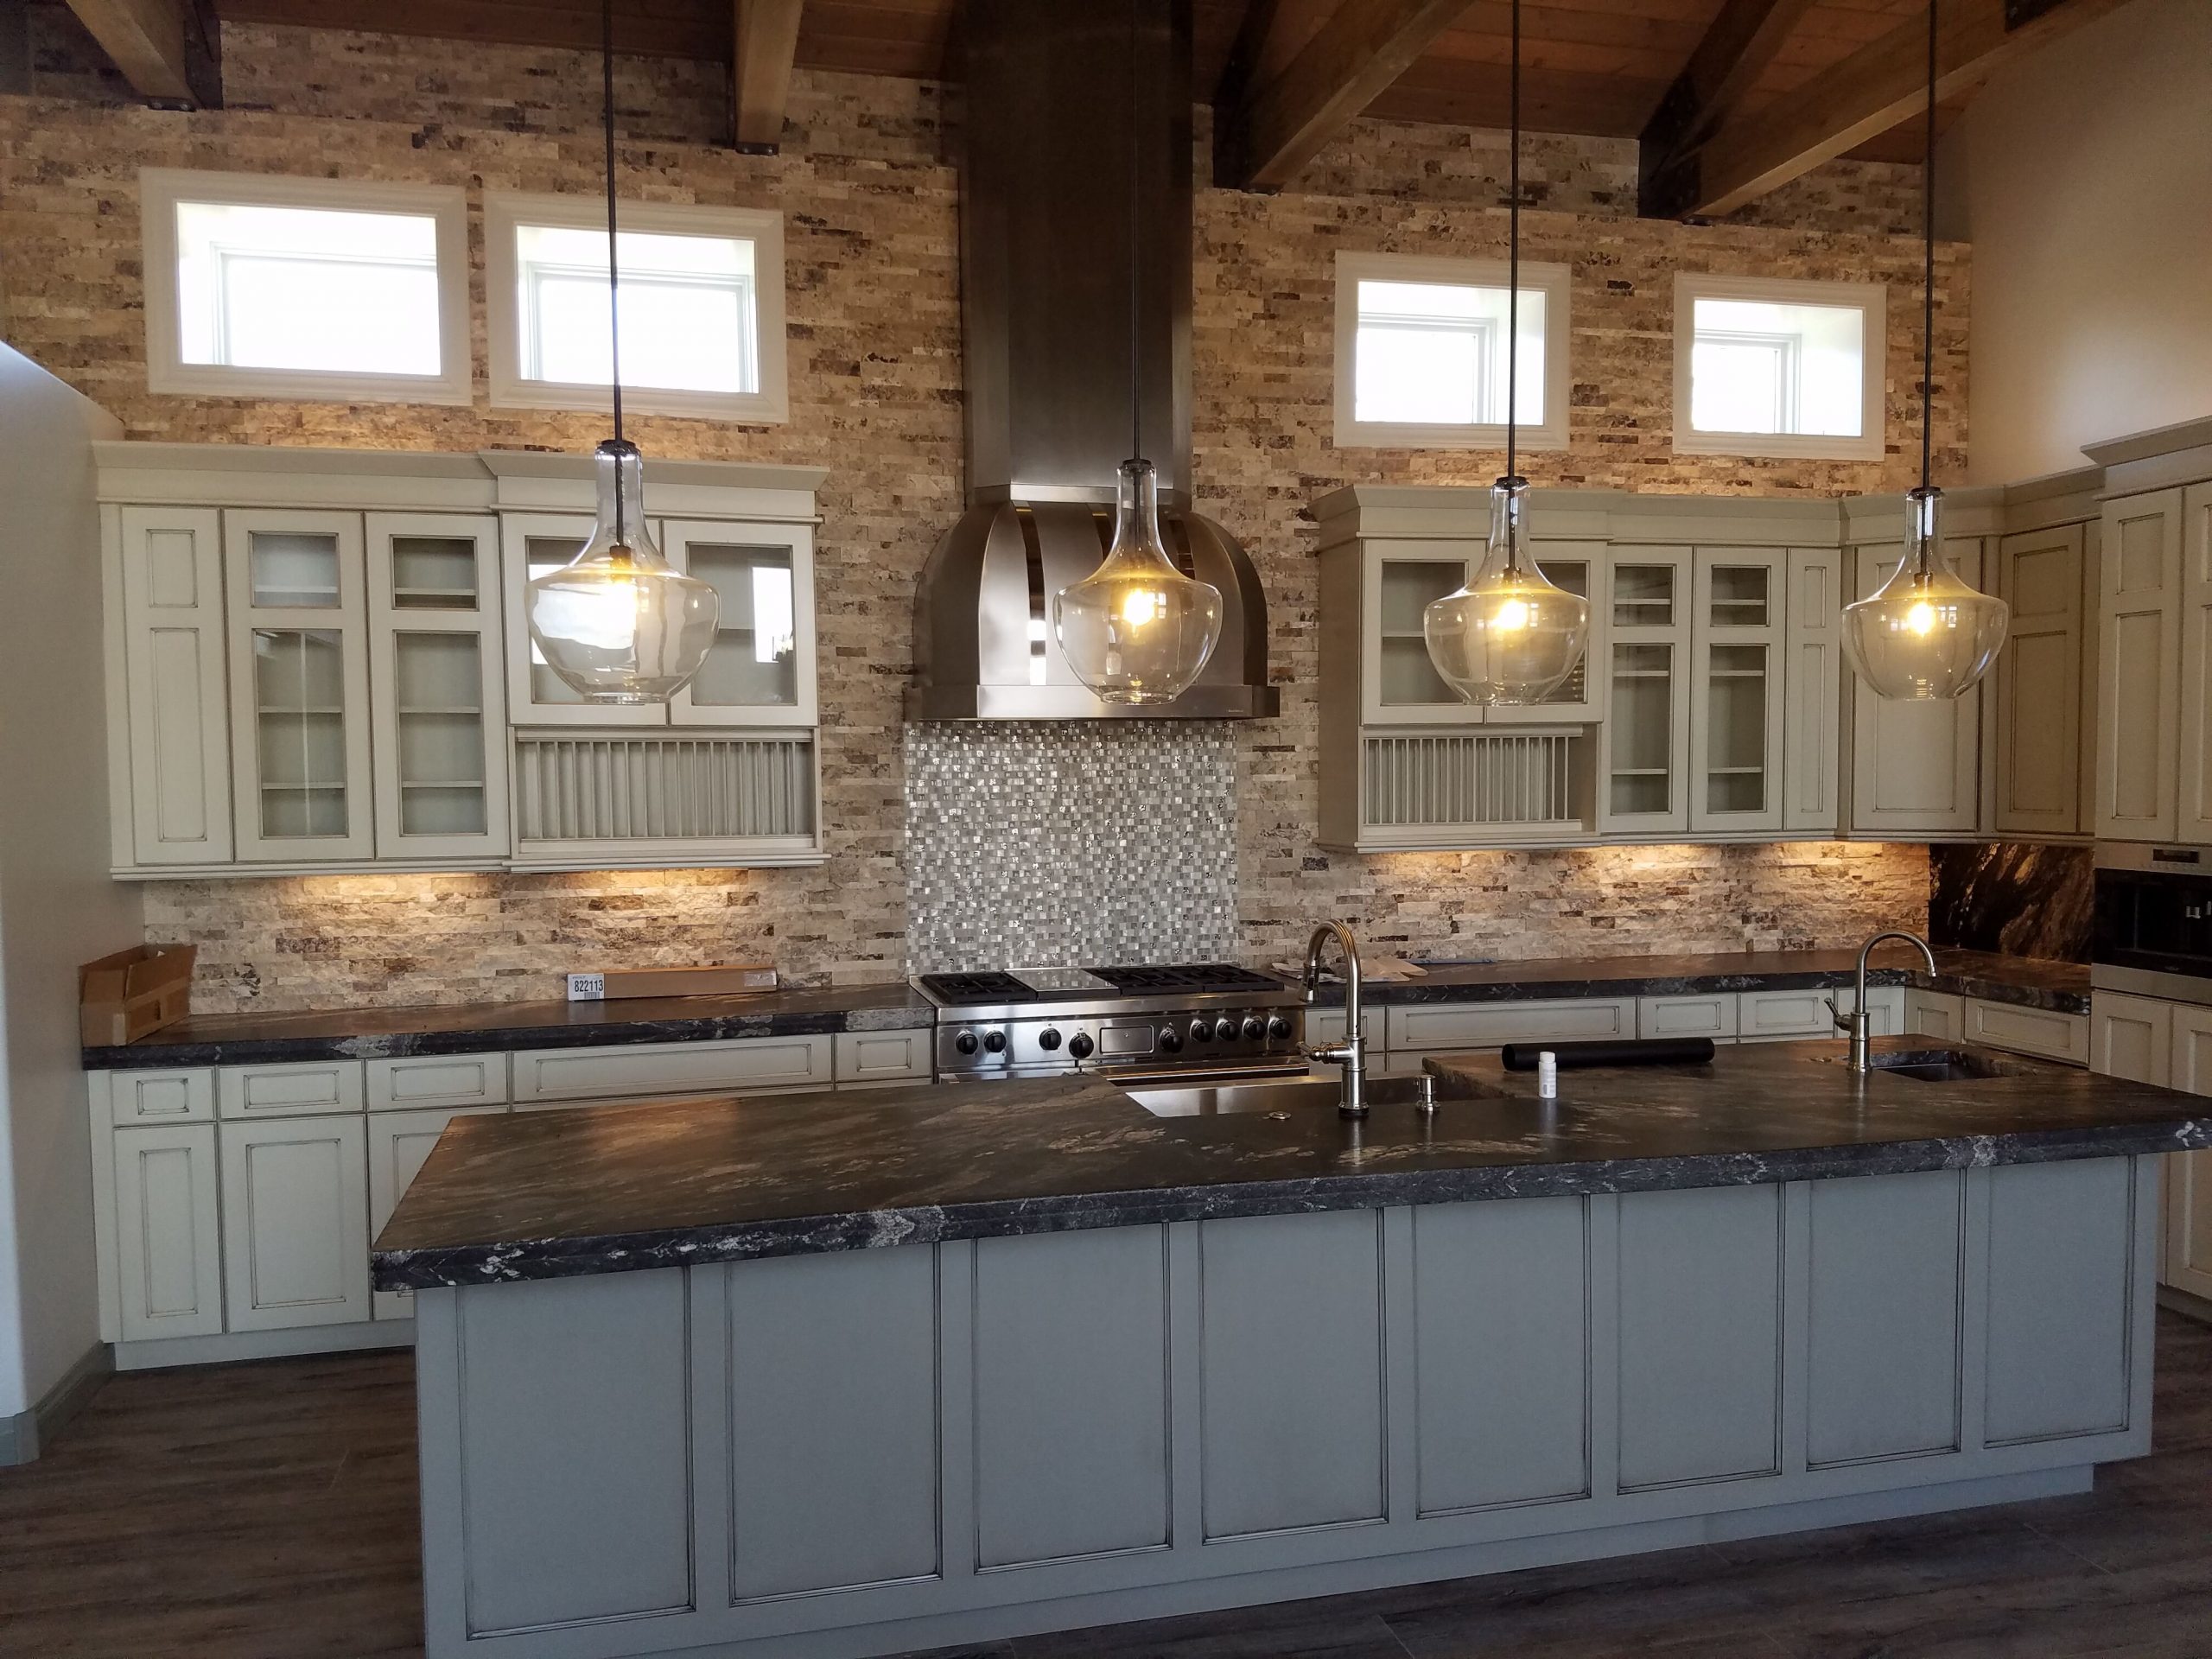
[
  {"x": 1741, "y": 41},
  {"x": 764, "y": 40},
  {"x": 1864, "y": 96},
  {"x": 1303, "y": 70},
  {"x": 167, "y": 49}
]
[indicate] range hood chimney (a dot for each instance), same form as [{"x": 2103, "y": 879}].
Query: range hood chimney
[{"x": 1045, "y": 253}]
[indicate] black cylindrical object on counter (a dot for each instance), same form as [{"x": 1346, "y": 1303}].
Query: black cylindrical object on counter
[{"x": 1655, "y": 1051}]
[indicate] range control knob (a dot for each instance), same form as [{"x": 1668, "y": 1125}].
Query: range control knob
[
  {"x": 1278, "y": 1026},
  {"x": 965, "y": 1042},
  {"x": 1079, "y": 1046},
  {"x": 1201, "y": 1030},
  {"x": 996, "y": 1041},
  {"x": 1225, "y": 1028},
  {"x": 1171, "y": 1040},
  {"x": 1254, "y": 1028},
  {"x": 1049, "y": 1038}
]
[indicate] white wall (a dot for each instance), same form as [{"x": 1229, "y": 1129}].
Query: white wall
[
  {"x": 2083, "y": 175},
  {"x": 57, "y": 904}
]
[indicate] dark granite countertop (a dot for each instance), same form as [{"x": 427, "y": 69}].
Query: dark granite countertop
[
  {"x": 468, "y": 1028},
  {"x": 610, "y": 1188},
  {"x": 240, "y": 1039},
  {"x": 2062, "y": 987}
]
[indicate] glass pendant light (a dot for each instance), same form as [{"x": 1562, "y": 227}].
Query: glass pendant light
[
  {"x": 1510, "y": 637},
  {"x": 1925, "y": 634},
  {"x": 1137, "y": 630},
  {"x": 618, "y": 622}
]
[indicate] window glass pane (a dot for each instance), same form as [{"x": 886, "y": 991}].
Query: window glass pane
[
  {"x": 306, "y": 289},
  {"x": 1433, "y": 354},
  {"x": 1756, "y": 365},
  {"x": 689, "y": 320}
]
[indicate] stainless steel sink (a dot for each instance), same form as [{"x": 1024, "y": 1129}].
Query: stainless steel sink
[
  {"x": 1940, "y": 1065},
  {"x": 1270, "y": 1095}
]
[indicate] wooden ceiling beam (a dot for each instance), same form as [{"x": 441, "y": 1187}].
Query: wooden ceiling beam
[
  {"x": 764, "y": 42},
  {"x": 1867, "y": 93},
  {"x": 1285, "y": 96},
  {"x": 167, "y": 49},
  {"x": 1734, "y": 52}
]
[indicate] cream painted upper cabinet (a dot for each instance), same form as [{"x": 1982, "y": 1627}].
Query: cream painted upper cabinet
[
  {"x": 436, "y": 685},
  {"x": 761, "y": 669},
  {"x": 1812, "y": 691},
  {"x": 1915, "y": 766},
  {"x": 2036, "y": 686},
  {"x": 2193, "y": 795},
  {"x": 1579, "y": 567},
  {"x": 169, "y": 721},
  {"x": 2140, "y": 667},
  {"x": 1736, "y": 689},
  {"x": 534, "y": 544},
  {"x": 1643, "y": 769},
  {"x": 299, "y": 685}
]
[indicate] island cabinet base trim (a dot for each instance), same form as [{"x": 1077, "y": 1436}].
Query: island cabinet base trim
[{"x": 866, "y": 1451}]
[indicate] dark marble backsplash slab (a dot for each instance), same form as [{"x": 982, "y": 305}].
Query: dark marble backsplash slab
[{"x": 2022, "y": 899}]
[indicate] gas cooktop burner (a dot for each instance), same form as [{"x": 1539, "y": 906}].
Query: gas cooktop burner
[
  {"x": 977, "y": 988},
  {"x": 1203, "y": 977}
]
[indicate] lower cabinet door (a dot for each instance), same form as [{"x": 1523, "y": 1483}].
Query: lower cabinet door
[
  {"x": 399, "y": 1144},
  {"x": 296, "y": 1222},
  {"x": 168, "y": 1244},
  {"x": 2186, "y": 1261}
]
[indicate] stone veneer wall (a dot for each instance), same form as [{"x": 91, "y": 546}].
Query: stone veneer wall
[{"x": 871, "y": 228}]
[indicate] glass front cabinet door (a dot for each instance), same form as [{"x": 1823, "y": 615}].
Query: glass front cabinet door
[
  {"x": 299, "y": 686},
  {"x": 437, "y": 694},
  {"x": 1736, "y": 684},
  {"x": 760, "y": 670},
  {"x": 1645, "y": 738},
  {"x": 536, "y": 544}
]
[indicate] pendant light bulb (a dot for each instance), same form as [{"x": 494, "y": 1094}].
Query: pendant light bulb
[
  {"x": 1510, "y": 637},
  {"x": 1925, "y": 634},
  {"x": 618, "y": 622},
  {"x": 1136, "y": 630}
]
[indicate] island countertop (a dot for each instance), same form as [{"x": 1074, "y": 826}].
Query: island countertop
[{"x": 605, "y": 1190}]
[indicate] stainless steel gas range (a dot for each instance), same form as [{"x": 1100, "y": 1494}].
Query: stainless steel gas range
[{"x": 1207, "y": 1019}]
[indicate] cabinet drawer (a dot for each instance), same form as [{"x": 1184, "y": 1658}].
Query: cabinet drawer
[
  {"x": 424, "y": 1081},
  {"x": 1324, "y": 1027},
  {"x": 294, "y": 1090},
  {"x": 139, "y": 1098},
  {"x": 749, "y": 1064},
  {"x": 867, "y": 1056},
  {"x": 1775, "y": 1016},
  {"x": 1712, "y": 1015},
  {"x": 1487, "y": 1025},
  {"x": 1935, "y": 1013},
  {"x": 2030, "y": 1031}
]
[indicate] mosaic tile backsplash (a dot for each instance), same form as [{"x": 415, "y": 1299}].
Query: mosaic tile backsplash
[{"x": 1047, "y": 846}]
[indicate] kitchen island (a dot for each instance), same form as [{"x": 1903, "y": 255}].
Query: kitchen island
[{"x": 855, "y": 1374}]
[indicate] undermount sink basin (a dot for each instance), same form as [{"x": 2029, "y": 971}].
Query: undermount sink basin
[
  {"x": 1943, "y": 1065},
  {"x": 1271, "y": 1095}
]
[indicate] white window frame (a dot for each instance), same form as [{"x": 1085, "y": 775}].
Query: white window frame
[
  {"x": 1871, "y": 299},
  {"x": 1553, "y": 281},
  {"x": 160, "y": 190},
  {"x": 506, "y": 212}
]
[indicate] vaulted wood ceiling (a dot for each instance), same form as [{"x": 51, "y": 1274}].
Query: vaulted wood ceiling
[{"x": 1728, "y": 95}]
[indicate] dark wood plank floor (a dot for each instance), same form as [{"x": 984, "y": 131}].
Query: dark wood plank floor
[{"x": 267, "y": 1511}]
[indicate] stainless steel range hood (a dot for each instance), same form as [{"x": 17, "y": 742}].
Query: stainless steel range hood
[{"x": 1045, "y": 253}]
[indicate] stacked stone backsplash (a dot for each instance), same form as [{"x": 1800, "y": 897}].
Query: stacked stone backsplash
[
  {"x": 870, "y": 207},
  {"x": 2024, "y": 898}
]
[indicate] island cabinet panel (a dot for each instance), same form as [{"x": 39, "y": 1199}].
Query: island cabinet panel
[
  {"x": 1699, "y": 1346},
  {"x": 832, "y": 1421},
  {"x": 1501, "y": 1345},
  {"x": 2061, "y": 1248},
  {"x": 570, "y": 1490},
  {"x": 1885, "y": 1265},
  {"x": 1291, "y": 1372},
  {"x": 1072, "y": 1395}
]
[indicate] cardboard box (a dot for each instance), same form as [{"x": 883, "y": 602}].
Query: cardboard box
[
  {"x": 729, "y": 979},
  {"x": 122, "y": 997}
]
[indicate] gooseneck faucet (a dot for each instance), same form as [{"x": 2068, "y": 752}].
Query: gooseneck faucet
[
  {"x": 1351, "y": 1053},
  {"x": 1857, "y": 1023}
]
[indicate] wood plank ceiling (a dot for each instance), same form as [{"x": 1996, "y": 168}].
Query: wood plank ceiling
[{"x": 1598, "y": 67}]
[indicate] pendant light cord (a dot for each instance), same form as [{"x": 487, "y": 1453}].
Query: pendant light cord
[
  {"x": 613, "y": 305},
  {"x": 1513, "y": 251},
  {"x": 1927, "y": 270},
  {"x": 1137, "y": 221}
]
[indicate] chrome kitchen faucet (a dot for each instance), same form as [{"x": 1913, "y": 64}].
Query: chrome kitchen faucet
[
  {"x": 1857, "y": 1023},
  {"x": 1351, "y": 1053}
]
